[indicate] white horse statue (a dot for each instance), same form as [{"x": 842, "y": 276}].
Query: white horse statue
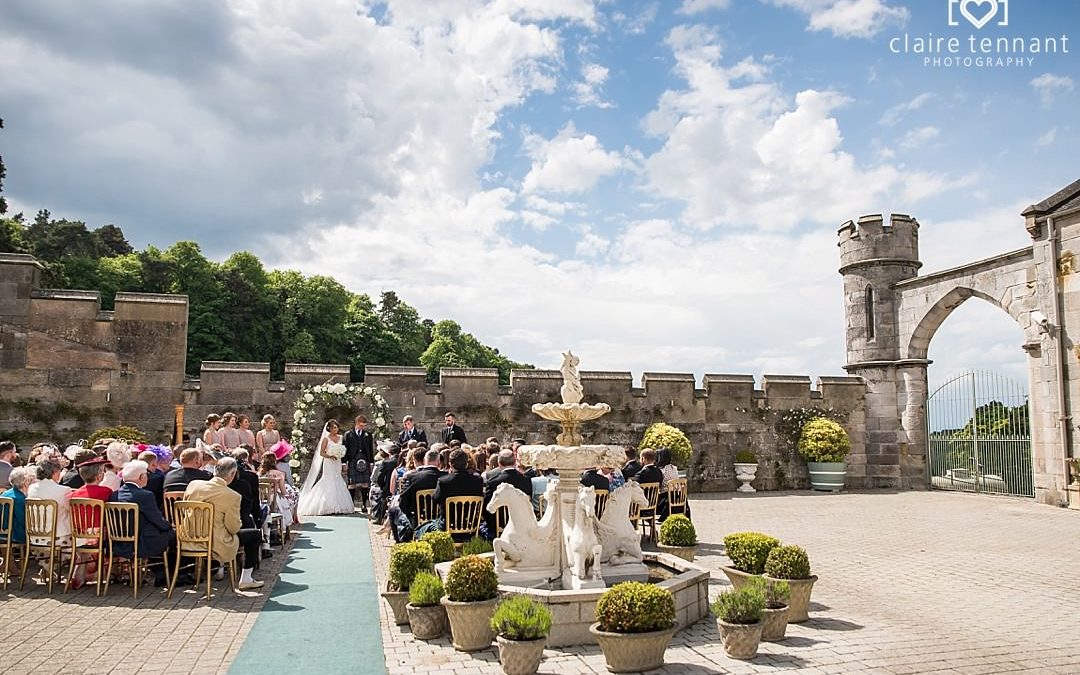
[
  {"x": 582, "y": 547},
  {"x": 524, "y": 542},
  {"x": 619, "y": 538}
]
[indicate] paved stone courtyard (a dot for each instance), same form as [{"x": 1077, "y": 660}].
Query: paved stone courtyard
[{"x": 910, "y": 582}]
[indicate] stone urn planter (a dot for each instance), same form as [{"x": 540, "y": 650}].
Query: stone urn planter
[
  {"x": 427, "y": 622},
  {"x": 520, "y": 657},
  {"x": 740, "y": 640},
  {"x": 633, "y": 652},
  {"x": 687, "y": 553},
  {"x": 746, "y": 474},
  {"x": 736, "y": 576},
  {"x": 397, "y": 601},
  {"x": 774, "y": 624},
  {"x": 470, "y": 623},
  {"x": 799, "y": 603}
]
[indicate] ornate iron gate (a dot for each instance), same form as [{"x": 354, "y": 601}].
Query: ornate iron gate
[{"x": 979, "y": 435}]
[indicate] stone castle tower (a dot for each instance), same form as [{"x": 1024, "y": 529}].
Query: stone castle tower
[{"x": 874, "y": 258}]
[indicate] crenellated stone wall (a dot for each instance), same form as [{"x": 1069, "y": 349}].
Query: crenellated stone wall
[{"x": 67, "y": 368}]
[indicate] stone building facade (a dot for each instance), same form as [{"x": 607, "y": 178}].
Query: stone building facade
[{"x": 892, "y": 314}]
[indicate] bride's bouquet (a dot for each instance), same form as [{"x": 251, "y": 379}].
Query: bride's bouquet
[{"x": 335, "y": 451}]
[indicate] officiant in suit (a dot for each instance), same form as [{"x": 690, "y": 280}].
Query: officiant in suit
[
  {"x": 359, "y": 458},
  {"x": 452, "y": 432}
]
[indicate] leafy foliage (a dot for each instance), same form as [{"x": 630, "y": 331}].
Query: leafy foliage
[
  {"x": 442, "y": 545},
  {"x": 777, "y": 594},
  {"x": 661, "y": 435},
  {"x": 788, "y": 562},
  {"x": 476, "y": 546},
  {"x": 472, "y": 579},
  {"x": 425, "y": 590},
  {"x": 743, "y": 605},
  {"x": 519, "y": 617},
  {"x": 749, "y": 550},
  {"x": 745, "y": 457},
  {"x": 125, "y": 433},
  {"x": 678, "y": 530},
  {"x": 407, "y": 560},
  {"x": 635, "y": 607},
  {"x": 823, "y": 440},
  {"x": 452, "y": 348}
]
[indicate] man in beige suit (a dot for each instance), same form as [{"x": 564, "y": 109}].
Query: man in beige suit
[{"x": 228, "y": 533}]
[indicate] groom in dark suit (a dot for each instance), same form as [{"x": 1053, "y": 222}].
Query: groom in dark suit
[{"x": 359, "y": 445}]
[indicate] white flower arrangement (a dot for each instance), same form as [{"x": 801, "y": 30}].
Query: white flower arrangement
[{"x": 334, "y": 394}]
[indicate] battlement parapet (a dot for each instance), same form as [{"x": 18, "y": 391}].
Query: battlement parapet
[{"x": 870, "y": 241}]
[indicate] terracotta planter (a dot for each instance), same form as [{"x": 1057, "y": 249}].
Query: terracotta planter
[
  {"x": 633, "y": 652},
  {"x": 685, "y": 552},
  {"x": 520, "y": 657},
  {"x": 470, "y": 623},
  {"x": 736, "y": 577},
  {"x": 774, "y": 624},
  {"x": 740, "y": 639},
  {"x": 397, "y": 601},
  {"x": 799, "y": 602},
  {"x": 427, "y": 622}
]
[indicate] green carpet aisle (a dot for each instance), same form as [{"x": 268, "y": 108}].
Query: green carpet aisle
[{"x": 322, "y": 615}]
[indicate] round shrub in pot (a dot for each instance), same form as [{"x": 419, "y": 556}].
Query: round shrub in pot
[
  {"x": 521, "y": 627},
  {"x": 791, "y": 564},
  {"x": 472, "y": 589},
  {"x": 748, "y": 552},
  {"x": 426, "y": 616},
  {"x": 635, "y": 622}
]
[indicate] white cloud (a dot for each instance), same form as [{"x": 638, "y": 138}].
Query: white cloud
[
  {"x": 698, "y": 6},
  {"x": 538, "y": 221},
  {"x": 738, "y": 151},
  {"x": 637, "y": 23},
  {"x": 919, "y": 137},
  {"x": 900, "y": 110},
  {"x": 1047, "y": 139},
  {"x": 1049, "y": 86},
  {"x": 571, "y": 162},
  {"x": 591, "y": 244},
  {"x": 588, "y": 91},
  {"x": 849, "y": 18}
]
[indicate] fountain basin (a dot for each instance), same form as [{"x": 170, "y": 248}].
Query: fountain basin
[
  {"x": 571, "y": 412},
  {"x": 574, "y": 611},
  {"x": 570, "y": 459}
]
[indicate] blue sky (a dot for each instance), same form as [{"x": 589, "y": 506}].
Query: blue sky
[{"x": 655, "y": 184}]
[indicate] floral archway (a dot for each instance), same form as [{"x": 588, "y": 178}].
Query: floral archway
[{"x": 330, "y": 395}]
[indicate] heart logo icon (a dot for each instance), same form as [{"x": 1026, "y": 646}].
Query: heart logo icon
[{"x": 987, "y": 14}]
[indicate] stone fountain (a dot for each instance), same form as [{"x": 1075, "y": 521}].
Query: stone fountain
[
  {"x": 567, "y": 558},
  {"x": 570, "y": 544}
]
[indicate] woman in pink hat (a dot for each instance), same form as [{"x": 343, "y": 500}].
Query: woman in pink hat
[{"x": 288, "y": 497}]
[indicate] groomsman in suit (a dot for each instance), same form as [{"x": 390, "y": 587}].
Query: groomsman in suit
[
  {"x": 452, "y": 432},
  {"x": 410, "y": 432},
  {"x": 359, "y": 445}
]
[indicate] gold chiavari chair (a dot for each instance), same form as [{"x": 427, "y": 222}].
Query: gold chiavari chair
[
  {"x": 601, "y": 502},
  {"x": 425, "y": 506},
  {"x": 268, "y": 496},
  {"x": 502, "y": 516},
  {"x": 463, "y": 517},
  {"x": 87, "y": 538},
  {"x": 676, "y": 493},
  {"x": 647, "y": 515},
  {"x": 41, "y": 537},
  {"x": 195, "y": 539},
  {"x": 170, "y": 498},
  {"x": 122, "y": 527}
]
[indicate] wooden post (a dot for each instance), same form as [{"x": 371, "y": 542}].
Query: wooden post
[{"x": 178, "y": 432}]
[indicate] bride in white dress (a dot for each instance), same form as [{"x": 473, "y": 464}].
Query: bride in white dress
[{"x": 324, "y": 491}]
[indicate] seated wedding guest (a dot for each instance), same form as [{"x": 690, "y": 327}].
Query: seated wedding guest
[
  {"x": 155, "y": 476},
  {"x": 118, "y": 454},
  {"x": 649, "y": 473},
  {"x": 208, "y": 460},
  {"x": 288, "y": 499},
  {"x": 632, "y": 465},
  {"x": 21, "y": 477},
  {"x": 230, "y": 433},
  {"x": 492, "y": 467},
  {"x": 508, "y": 473},
  {"x": 594, "y": 479},
  {"x": 7, "y": 455},
  {"x": 540, "y": 484},
  {"x": 247, "y": 436},
  {"x": 155, "y": 533},
  {"x": 280, "y": 451},
  {"x": 71, "y": 476},
  {"x": 246, "y": 485},
  {"x": 614, "y": 477},
  {"x": 91, "y": 473},
  {"x": 459, "y": 483},
  {"x": 667, "y": 469},
  {"x": 48, "y": 472},
  {"x": 228, "y": 533},
  {"x": 403, "y": 517},
  {"x": 189, "y": 470}
]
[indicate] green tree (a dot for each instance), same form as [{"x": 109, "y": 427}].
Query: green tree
[
  {"x": 3, "y": 172},
  {"x": 13, "y": 235},
  {"x": 452, "y": 347},
  {"x": 111, "y": 241},
  {"x": 249, "y": 306},
  {"x": 209, "y": 334},
  {"x": 119, "y": 273},
  {"x": 403, "y": 321},
  {"x": 371, "y": 342}
]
